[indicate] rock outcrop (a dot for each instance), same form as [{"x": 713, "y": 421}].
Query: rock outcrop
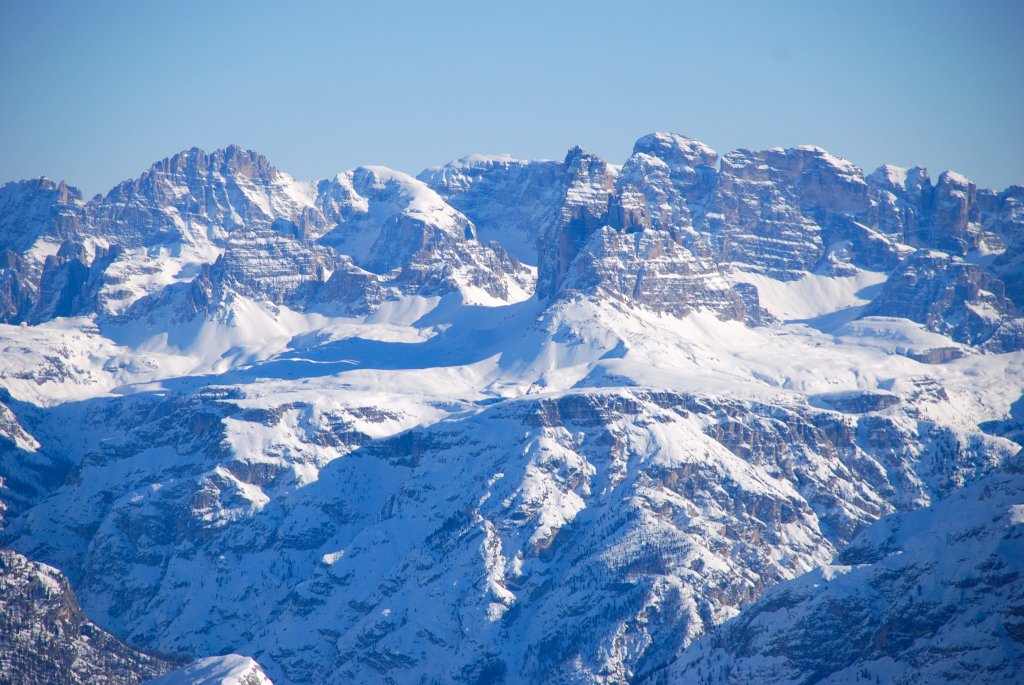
[
  {"x": 951, "y": 297},
  {"x": 45, "y": 639},
  {"x": 931, "y": 596}
]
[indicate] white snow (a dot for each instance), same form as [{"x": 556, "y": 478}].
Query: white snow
[
  {"x": 473, "y": 161},
  {"x": 813, "y": 295},
  {"x": 955, "y": 178},
  {"x": 231, "y": 669},
  {"x": 896, "y": 175},
  {"x": 1016, "y": 512}
]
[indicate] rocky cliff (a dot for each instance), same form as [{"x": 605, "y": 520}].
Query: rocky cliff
[
  {"x": 934, "y": 596},
  {"x": 45, "y": 639}
]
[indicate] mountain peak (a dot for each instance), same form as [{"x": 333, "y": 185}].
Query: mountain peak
[
  {"x": 577, "y": 153},
  {"x": 953, "y": 178},
  {"x": 469, "y": 162},
  {"x": 675, "y": 148},
  {"x": 230, "y": 161},
  {"x": 61, "y": 191}
]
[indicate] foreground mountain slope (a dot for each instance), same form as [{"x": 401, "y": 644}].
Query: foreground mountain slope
[
  {"x": 933, "y": 596},
  {"x": 45, "y": 639}
]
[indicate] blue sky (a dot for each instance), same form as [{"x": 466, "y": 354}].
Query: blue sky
[{"x": 95, "y": 92}]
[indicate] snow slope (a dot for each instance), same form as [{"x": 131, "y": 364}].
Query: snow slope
[{"x": 218, "y": 670}]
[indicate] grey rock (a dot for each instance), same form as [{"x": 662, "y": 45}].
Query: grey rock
[
  {"x": 506, "y": 199},
  {"x": 45, "y": 639},
  {"x": 196, "y": 197},
  {"x": 857, "y": 402},
  {"x": 944, "y": 216},
  {"x": 587, "y": 186},
  {"x": 935, "y": 355},
  {"x": 629, "y": 236},
  {"x": 1005, "y": 219},
  {"x": 36, "y": 208},
  {"x": 31, "y": 211},
  {"x": 951, "y": 297}
]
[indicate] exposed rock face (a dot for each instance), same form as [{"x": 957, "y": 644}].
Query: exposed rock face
[
  {"x": 401, "y": 232},
  {"x": 195, "y": 198},
  {"x": 650, "y": 268},
  {"x": 955, "y": 214},
  {"x": 35, "y": 217},
  {"x": 507, "y": 199},
  {"x": 760, "y": 213},
  {"x": 951, "y": 297},
  {"x": 45, "y": 639},
  {"x": 18, "y": 286},
  {"x": 666, "y": 230},
  {"x": 28, "y": 472},
  {"x": 858, "y": 402},
  {"x": 628, "y": 235},
  {"x": 381, "y": 217},
  {"x": 268, "y": 237},
  {"x": 666, "y": 175},
  {"x": 933, "y": 596},
  {"x": 37, "y": 208},
  {"x": 352, "y": 290},
  {"x": 778, "y": 212},
  {"x": 263, "y": 264},
  {"x": 781, "y": 213},
  {"x": 1006, "y": 217},
  {"x": 587, "y": 187},
  {"x": 657, "y": 258},
  {"x": 72, "y": 281},
  {"x": 144, "y": 234},
  {"x": 944, "y": 216}
]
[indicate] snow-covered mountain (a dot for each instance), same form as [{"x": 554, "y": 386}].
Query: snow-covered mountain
[
  {"x": 930, "y": 596},
  {"x": 520, "y": 421},
  {"x": 45, "y": 639}
]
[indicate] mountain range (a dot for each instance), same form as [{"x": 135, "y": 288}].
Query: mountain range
[{"x": 742, "y": 418}]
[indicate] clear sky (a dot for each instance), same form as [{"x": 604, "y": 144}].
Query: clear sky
[{"x": 94, "y": 92}]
